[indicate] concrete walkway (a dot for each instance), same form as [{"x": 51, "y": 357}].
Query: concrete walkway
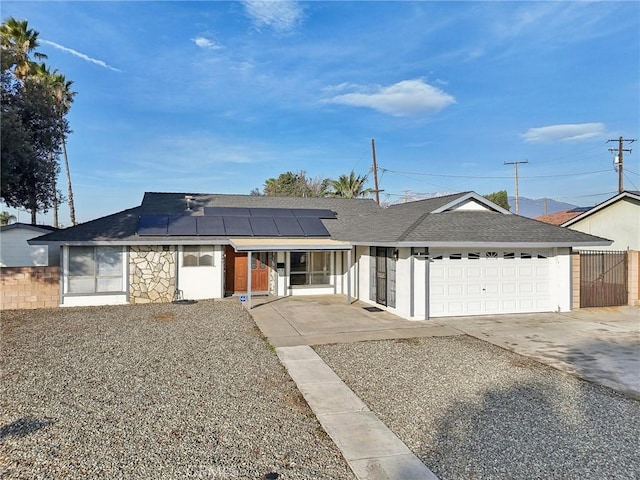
[
  {"x": 599, "y": 345},
  {"x": 372, "y": 450},
  {"x": 318, "y": 320}
]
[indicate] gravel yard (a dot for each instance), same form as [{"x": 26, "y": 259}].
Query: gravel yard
[
  {"x": 471, "y": 410},
  {"x": 153, "y": 391}
]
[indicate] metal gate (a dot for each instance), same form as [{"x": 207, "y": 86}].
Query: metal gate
[{"x": 603, "y": 279}]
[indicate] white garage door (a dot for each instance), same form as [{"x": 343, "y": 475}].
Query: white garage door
[{"x": 489, "y": 281}]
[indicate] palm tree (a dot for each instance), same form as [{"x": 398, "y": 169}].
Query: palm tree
[
  {"x": 60, "y": 88},
  {"x": 18, "y": 42},
  {"x": 349, "y": 186}
]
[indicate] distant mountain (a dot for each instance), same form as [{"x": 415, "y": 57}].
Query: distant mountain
[{"x": 534, "y": 207}]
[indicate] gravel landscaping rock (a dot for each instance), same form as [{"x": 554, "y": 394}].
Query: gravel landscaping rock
[
  {"x": 152, "y": 391},
  {"x": 471, "y": 410}
]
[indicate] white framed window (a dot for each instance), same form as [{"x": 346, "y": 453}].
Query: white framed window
[
  {"x": 197, "y": 256},
  {"x": 95, "y": 270},
  {"x": 310, "y": 268}
]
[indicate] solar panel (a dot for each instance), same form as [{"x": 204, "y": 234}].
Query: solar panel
[
  {"x": 313, "y": 212},
  {"x": 237, "y": 226},
  {"x": 227, "y": 211},
  {"x": 263, "y": 226},
  {"x": 313, "y": 227},
  {"x": 288, "y": 226},
  {"x": 152, "y": 225},
  {"x": 182, "y": 225},
  {"x": 210, "y": 225},
  {"x": 271, "y": 212}
]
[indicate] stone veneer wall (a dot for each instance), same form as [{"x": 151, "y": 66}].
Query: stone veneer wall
[{"x": 151, "y": 274}]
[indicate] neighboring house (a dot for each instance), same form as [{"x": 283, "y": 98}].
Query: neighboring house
[
  {"x": 558, "y": 218},
  {"x": 617, "y": 218},
  {"x": 455, "y": 255},
  {"x": 16, "y": 252}
]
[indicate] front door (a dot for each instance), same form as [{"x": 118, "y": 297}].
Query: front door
[
  {"x": 381, "y": 275},
  {"x": 236, "y": 276}
]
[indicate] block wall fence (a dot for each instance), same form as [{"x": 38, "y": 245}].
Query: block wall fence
[{"x": 29, "y": 287}]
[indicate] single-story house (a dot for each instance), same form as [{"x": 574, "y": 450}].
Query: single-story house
[
  {"x": 617, "y": 218},
  {"x": 16, "y": 252},
  {"x": 453, "y": 255}
]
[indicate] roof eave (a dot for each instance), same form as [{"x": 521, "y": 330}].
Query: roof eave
[{"x": 597, "y": 208}]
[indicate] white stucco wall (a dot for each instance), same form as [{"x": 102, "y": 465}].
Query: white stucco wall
[
  {"x": 199, "y": 283},
  {"x": 16, "y": 252},
  {"x": 561, "y": 279},
  {"x": 619, "y": 222}
]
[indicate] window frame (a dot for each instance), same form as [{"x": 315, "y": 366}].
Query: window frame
[
  {"x": 308, "y": 273},
  {"x": 95, "y": 276},
  {"x": 198, "y": 254}
]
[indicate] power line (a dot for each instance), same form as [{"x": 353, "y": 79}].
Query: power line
[{"x": 489, "y": 177}]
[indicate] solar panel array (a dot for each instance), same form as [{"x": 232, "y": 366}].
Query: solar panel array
[{"x": 241, "y": 222}]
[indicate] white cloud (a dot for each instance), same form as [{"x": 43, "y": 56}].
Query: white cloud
[
  {"x": 283, "y": 16},
  {"x": 207, "y": 44},
  {"x": 564, "y": 133},
  {"x": 409, "y": 97},
  {"x": 83, "y": 56}
]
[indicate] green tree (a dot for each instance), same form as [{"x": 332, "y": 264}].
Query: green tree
[
  {"x": 6, "y": 218},
  {"x": 349, "y": 186},
  {"x": 32, "y": 122},
  {"x": 500, "y": 198},
  {"x": 290, "y": 184}
]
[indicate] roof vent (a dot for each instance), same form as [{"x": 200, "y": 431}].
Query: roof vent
[{"x": 188, "y": 199}]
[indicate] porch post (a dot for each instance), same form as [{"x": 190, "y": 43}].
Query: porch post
[
  {"x": 249, "y": 258},
  {"x": 349, "y": 277}
]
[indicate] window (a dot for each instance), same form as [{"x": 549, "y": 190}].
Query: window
[
  {"x": 197, "y": 256},
  {"x": 310, "y": 268},
  {"x": 473, "y": 255},
  {"x": 525, "y": 255},
  {"x": 95, "y": 269},
  {"x": 455, "y": 256},
  {"x": 491, "y": 254},
  {"x": 509, "y": 255}
]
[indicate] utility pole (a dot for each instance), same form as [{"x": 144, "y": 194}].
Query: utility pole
[
  {"x": 375, "y": 171},
  {"x": 515, "y": 166},
  {"x": 618, "y": 163}
]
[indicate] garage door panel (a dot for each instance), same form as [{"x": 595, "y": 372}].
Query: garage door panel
[{"x": 490, "y": 283}]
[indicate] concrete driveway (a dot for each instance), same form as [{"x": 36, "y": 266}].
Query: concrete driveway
[{"x": 601, "y": 345}]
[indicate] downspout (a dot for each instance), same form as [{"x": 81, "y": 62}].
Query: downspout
[
  {"x": 349, "y": 277},
  {"x": 411, "y": 287},
  {"x": 177, "y": 294}
]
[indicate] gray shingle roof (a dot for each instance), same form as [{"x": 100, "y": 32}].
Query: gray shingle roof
[
  {"x": 121, "y": 226},
  {"x": 414, "y": 223},
  {"x": 358, "y": 220}
]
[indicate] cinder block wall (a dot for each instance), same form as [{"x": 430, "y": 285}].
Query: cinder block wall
[
  {"x": 575, "y": 280},
  {"x": 29, "y": 287}
]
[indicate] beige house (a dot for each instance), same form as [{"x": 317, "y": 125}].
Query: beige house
[{"x": 617, "y": 219}]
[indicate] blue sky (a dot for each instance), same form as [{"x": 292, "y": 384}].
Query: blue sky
[{"x": 219, "y": 96}]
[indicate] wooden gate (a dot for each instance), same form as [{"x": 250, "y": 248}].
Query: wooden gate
[{"x": 603, "y": 279}]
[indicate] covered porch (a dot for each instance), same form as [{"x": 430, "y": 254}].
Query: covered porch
[{"x": 284, "y": 267}]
